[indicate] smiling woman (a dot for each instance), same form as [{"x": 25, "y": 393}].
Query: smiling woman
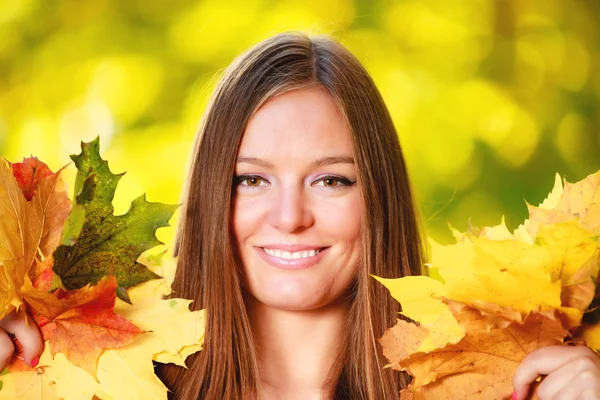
[{"x": 297, "y": 191}]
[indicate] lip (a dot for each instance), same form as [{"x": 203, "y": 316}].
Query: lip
[
  {"x": 299, "y": 263},
  {"x": 292, "y": 247}
]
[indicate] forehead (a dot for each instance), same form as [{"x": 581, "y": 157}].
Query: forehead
[{"x": 296, "y": 122}]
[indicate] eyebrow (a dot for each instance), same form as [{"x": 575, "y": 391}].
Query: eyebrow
[{"x": 321, "y": 162}]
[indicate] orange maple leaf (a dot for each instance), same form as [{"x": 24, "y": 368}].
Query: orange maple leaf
[
  {"x": 483, "y": 363},
  {"x": 33, "y": 209},
  {"x": 48, "y": 200},
  {"x": 402, "y": 340},
  {"x": 81, "y": 323}
]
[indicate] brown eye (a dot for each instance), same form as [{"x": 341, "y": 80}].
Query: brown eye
[
  {"x": 334, "y": 182},
  {"x": 253, "y": 181},
  {"x": 249, "y": 181}
]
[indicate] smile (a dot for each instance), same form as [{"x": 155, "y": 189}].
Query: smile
[
  {"x": 291, "y": 255},
  {"x": 291, "y": 260}
]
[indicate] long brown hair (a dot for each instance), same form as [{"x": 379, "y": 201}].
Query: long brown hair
[{"x": 208, "y": 265}]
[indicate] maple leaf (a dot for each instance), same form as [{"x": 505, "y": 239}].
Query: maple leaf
[
  {"x": 563, "y": 263},
  {"x": 30, "y": 385},
  {"x": 174, "y": 332},
  {"x": 402, "y": 340},
  {"x": 52, "y": 378},
  {"x": 579, "y": 201},
  {"x": 498, "y": 232},
  {"x": 421, "y": 300},
  {"x": 28, "y": 175},
  {"x": 484, "y": 269},
  {"x": 80, "y": 324},
  {"x": 29, "y": 230},
  {"x": 48, "y": 200},
  {"x": 179, "y": 358},
  {"x": 128, "y": 372},
  {"x": 483, "y": 363},
  {"x": 105, "y": 243},
  {"x": 169, "y": 319}
]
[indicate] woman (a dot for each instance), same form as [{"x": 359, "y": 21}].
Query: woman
[{"x": 297, "y": 191}]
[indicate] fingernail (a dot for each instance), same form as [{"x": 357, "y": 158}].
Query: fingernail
[
  {"x": 514, "y": 396},
  {"x": 36, "y": 360}
]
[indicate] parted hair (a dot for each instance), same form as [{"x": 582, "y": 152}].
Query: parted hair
[{"x": 208, "y": 269}]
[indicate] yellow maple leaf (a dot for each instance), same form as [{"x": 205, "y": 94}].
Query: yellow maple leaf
[
  {"x": 28, "y": 229},
  {"x": 490, "y": 270},
  {"x": 52, "y": 378},
  {"x": 173, "y": 333},
  {"x": 579, "y": 201},
  {"x": 179, "y": 358},
  {"x": 170, "y": 320},
  {"x": 527, "y": 231},
  {"x": 498, "y": 232},
  {"x": 17, "y": 240},
  {"x": 421, "y": 300},
  {"x": 553, "y": 199},
  {"x": 565, "y": 250},
  {"x": 27, "y": 385},
  {"x": 128, "y": 372}
]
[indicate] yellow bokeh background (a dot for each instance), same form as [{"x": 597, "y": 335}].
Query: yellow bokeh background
[{"x": 490, "y": 98}]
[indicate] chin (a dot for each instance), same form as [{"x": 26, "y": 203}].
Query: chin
[
  {"x": 290, "y": 297},
  {"x": 292, "y": 306}
]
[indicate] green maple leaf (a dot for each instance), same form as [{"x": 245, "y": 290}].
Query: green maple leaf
[{"x": 95, "y": 242}]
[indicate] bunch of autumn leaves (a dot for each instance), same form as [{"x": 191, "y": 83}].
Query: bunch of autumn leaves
[
  {"x": 495, "y": 296},
  {"x": 65, "y": 263}
]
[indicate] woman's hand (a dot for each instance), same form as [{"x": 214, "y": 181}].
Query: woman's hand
[
  {"x": 26, "y": 331},
  {"x": 573, "y": 373}
]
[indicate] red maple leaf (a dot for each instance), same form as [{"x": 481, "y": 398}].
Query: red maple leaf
[
  {"x": 80, "y": 323},
  {"x": 29, "y": 173}
]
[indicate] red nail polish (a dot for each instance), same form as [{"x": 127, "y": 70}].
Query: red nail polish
[
  {"x": 35, "y": 361},
  {"x": 514, "y": 396}
]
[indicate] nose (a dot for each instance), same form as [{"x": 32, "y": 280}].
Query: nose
[{"x": 290, "y": 211}]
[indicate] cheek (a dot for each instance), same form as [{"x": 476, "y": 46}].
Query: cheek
[
  {"x": 342, "y": 221},
  {"x": 245, "y": 219}
]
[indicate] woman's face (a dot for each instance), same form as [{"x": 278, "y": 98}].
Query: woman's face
[{"x": 297, "y": 206}]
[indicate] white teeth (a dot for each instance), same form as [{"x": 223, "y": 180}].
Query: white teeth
[{"x": 291, "y": 256}]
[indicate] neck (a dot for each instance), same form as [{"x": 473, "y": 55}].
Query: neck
[{"x": 297, "y": 349}]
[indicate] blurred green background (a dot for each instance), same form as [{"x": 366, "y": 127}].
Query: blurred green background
[{"x": 490, "y": 97}]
